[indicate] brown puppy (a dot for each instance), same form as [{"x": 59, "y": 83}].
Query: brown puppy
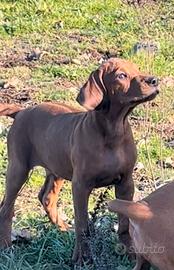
[
  {"x": 92, "y": 149},
  {"x": 151, "y": 227}
]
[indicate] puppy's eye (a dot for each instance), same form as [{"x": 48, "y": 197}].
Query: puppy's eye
[{"x": 122, "y": 76}]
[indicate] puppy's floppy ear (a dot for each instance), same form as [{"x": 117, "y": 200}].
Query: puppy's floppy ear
[
  {"x": 9, "y": 109},
  {"x": 91, "y": 94}
]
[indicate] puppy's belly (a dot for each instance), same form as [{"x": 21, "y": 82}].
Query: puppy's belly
[
  {"x": 58, "y": 165},
  {"x": 62, "y": 170},
  {"x": 107, "y": 181}
]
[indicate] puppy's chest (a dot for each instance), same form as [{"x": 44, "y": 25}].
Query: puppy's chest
[
  {"x": 108, "y": 166},
  {"x": 110, "y": 160}
]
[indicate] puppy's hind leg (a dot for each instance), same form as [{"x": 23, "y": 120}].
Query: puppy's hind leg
[
  {"x": 124, "y": 190},
  {"x": 48, "y": 197},
  {"x": 16, "y": 176}
]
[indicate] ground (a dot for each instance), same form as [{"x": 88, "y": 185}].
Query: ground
[{"x": 47, "y": 51}]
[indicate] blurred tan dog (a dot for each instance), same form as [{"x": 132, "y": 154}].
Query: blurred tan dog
[{"x": 151, "y": 227}]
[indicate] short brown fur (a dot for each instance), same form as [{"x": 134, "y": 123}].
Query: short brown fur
[
  {"x": 92, "y": 149},
  {"x": 151, "y": 227}
]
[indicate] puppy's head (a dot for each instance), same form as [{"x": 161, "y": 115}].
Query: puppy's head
[{"x": 117, "y": 81}]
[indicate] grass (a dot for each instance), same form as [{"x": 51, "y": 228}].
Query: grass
[
  {"x": 50, "y": 249},
  {"x": 73, "y": 38}
]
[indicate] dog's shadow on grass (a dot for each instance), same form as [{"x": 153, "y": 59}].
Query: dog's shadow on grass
[{"x": 49, "y": 248}]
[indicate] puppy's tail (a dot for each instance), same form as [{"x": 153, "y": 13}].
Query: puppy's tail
[
  {"x": 10, "y": 110},
  {"x": 132, "y": 210}
]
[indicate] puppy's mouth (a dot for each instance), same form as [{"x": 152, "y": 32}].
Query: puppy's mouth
[{"x": 144, "y": 98}]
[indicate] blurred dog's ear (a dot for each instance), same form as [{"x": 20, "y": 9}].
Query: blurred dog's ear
[
  {"x": 134, "y": 210},
  {"x": 91, "y": 94}
]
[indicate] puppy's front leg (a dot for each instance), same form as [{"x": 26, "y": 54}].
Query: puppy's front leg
[
  {"x": 141, "y": 263},
  {"x": 80, "y": 198},
  {"x": 124, "y": 191}
]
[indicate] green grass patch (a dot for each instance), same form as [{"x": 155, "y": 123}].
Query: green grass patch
[
  {"x": 71, "y": 73},
  {"x": 51, "y": 249}
]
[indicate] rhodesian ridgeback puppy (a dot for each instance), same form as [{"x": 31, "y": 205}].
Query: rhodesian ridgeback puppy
[{"x": 92, "y": 149}]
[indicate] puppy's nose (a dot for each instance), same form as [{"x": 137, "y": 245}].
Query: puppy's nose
[{"x": 153, "y": 81}]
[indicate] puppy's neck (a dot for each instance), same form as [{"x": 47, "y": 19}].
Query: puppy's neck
[{"x": 113, "y": 122}]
